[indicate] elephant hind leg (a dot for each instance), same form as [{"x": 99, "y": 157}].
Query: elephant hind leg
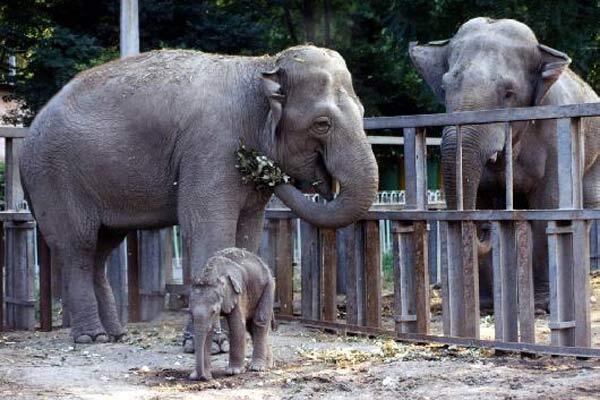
[
  {"x": 78, "y": 263},
  {"x": 107, "y": 308}
]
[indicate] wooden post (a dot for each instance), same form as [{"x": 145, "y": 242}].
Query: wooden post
[
  {"x": 20, "y": 290},
  {"x": 45, "y": 284},
  {"x": 372, "y": 260},
  {"x": 525, "y": 282},
  {"x": 2, "y": 278},
  {"x": 283, "y": 266},
  {"x": 133, "y": 277},
  {"x": 460, "y": 279},
  {"x": 329, "y": 275},
  {"x": 310, "y": 272},
  {"x": 504, "y": 261},
  {"x": 116, "y": 271},
  {"x": 355, "y": 276},
  {"x": 155, "y": 256}
]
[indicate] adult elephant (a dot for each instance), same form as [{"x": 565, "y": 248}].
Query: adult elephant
[
  {"x": 492, "y": 64},
  {"x": 150, "y": 141}
]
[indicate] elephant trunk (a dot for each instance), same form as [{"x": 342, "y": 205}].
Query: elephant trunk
[
  {"x": 202, "y": 343},
  {"x": 479, "y": 144},
  {"x": 355, "y": 169}
]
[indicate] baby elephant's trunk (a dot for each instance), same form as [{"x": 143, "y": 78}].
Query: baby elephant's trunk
[{"x": 202, "y": 343}]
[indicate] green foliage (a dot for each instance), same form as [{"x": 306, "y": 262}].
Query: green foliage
[
  {"x": 387, "y": 266},
  {"x": 55, "y": 39}
]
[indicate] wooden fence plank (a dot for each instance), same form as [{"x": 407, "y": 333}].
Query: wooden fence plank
[
  {"x": 355, "y": 291},
  {"x": 310, "y": 271},
  {"x": 45, "y": 284},
  {"x": 525, "y": 282},
  {"x": 133, "y": 277},
  {"x": 445, "y": 265},
  {"x": 470, "y": 287},
  {"x": 504, "y": 261},
  {"x": 116, "y": 274},
  {"x": 329, "y": 275},
  {"x": 372, "y": 273},
  {"x": 2, "y": 263},
  {"x": 420, "y": 249},
  {"x": 283, "y": 266},
  {"x": 19, "y": 261},
  {"x": 581, "y": 285}
]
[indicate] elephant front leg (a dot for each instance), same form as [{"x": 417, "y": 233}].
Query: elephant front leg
[
  {"x": 262, "y": 357},
  {"x": 237, "y": 338},
  {"x": 202, "y": 238}
]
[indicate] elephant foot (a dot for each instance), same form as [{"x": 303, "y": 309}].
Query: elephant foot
[
  {"x": 233, "y": 370},
  {"x": 258, "y": 366},
  {"x": 220, "y": 343},
  {"x": 194, "y": 376},
  {"x": 87, "y": 339},
  {"x": 122, "y": 337}
]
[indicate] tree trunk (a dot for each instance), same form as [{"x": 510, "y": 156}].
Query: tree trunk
[
  {"x": 308, "y": 15},
  {"x": 327, "y": 23},
  {"x": 289, "y": 21}
]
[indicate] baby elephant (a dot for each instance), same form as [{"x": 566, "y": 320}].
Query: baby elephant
[{"x": 238, "y": 285}]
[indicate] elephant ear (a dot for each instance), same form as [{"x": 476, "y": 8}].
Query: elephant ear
[
  {"x": 231, "y": 296},
  {"x": 431, "y": 60},
  {"x": 272, "y": 89},
  {"x": 553, "y": 64}
]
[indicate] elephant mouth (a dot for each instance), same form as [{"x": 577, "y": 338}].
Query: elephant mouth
[{"x": 321, "y": 183}]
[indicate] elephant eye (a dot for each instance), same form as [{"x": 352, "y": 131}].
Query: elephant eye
[
  {"x": 509, "y": 94},
  {"x": 321, "y": 125}
]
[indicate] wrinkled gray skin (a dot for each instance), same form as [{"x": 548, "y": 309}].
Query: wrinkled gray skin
[
  {"x": 238, "y": 285},
  {"x": 149, "y": 141},
  {"x": 492, "y": 64}
]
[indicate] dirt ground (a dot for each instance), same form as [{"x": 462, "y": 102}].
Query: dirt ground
[{"x": 308, "y": 364}]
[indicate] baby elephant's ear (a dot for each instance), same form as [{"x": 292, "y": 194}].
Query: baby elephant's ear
[{"x": 235, "y": 284}]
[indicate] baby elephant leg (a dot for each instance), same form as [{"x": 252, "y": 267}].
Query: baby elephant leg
[
  {"x": 262, "y": 358},
  {"x": 237, "y": 340}
]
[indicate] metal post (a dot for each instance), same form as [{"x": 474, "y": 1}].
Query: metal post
[
  {"x": 508, "y": 165},
  {"x": 130, "y": 33}
]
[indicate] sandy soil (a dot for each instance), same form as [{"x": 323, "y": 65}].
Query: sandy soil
[{"x": 308, "y": 364}]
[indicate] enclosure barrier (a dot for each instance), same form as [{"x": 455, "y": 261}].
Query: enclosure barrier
[
  {"x": 568, "y": 245},
  {"x": 356, "y": 249}
]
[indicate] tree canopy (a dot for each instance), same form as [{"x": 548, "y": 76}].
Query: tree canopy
[{"x": 55, "y": 39}]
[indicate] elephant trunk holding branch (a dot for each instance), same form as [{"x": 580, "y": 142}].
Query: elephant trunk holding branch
[
  {"x": 150, "y": 141},
  {"x": 493, "y": 64}
]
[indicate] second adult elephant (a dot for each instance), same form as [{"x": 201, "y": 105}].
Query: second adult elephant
[
  {"x": 493, "y": 64},
  {"x": 150, "y": 141}
]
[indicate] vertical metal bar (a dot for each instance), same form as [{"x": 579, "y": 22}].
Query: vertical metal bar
[
  {"x": 508, "y": 165},
  {"x": 525, "y": 282},
  {"x": 284, "y": 256},
  {"x": 329, "y": 275},
  {"x": 410, "y": 168},
  {"x": 372, "y": 267}
]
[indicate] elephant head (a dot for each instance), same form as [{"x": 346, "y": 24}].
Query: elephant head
[
  {"x": 315, "y": 131},
  {"x": 488, "y": 64},
  {"x": 217, "y": 290}
]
